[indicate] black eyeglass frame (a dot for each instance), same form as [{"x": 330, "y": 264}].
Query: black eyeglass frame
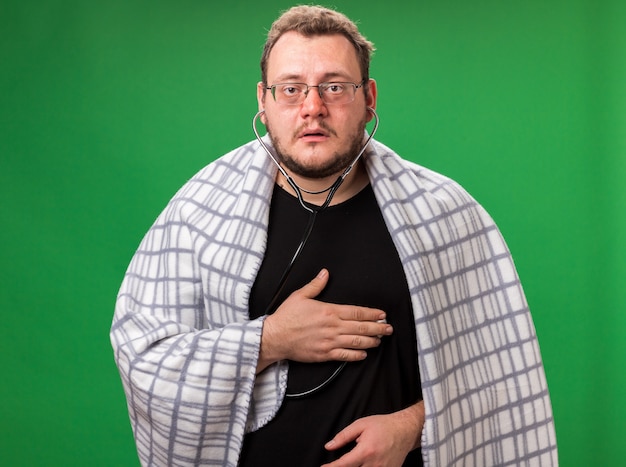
[{"x": 321, "y": 87}]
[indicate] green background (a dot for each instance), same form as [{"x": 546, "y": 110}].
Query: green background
[{"x": 106, "y": 108}]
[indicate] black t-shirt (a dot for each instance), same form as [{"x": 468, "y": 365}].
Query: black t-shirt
[{"x": 351, "y": 240}]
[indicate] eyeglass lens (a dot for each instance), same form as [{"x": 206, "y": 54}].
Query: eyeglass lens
[{"x": 330, "y": 93}]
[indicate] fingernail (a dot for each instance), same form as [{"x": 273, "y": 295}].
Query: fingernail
[{"x": 322, "y": 274}]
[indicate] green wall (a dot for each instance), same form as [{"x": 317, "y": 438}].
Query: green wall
[{"x": 106, "y": 108}]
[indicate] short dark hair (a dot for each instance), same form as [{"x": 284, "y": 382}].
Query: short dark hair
[{"x": 315, "y": 21}]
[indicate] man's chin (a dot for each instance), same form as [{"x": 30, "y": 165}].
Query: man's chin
[
  {"x": 318, "y": 162},
  {"x": 313, "y": 172}
]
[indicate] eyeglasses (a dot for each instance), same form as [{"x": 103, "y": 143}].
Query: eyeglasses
[{"x": 330, "y": 93}]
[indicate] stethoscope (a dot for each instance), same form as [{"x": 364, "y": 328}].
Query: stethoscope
[{"x": 313, "y": 211}]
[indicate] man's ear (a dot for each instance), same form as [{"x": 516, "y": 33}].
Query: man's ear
[
  {"x": 372, "y": 94},
  {"x": 260, "y": 97}
]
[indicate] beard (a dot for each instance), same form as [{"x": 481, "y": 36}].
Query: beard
[{"x": 336, "y": 164}]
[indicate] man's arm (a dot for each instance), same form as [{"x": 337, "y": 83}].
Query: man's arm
[{"x": 187, "y": 359}]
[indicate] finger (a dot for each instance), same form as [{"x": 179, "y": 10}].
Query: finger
[
  {"x": 353, "y": 348},
  {"x": 345, "y": 436},
  {"x": 361, "y": 313},
  {"x": 357, "y": 329},
  {"x": 347, "y": 355},
  {"x": 315, "y": 287},
  {"x": 369, "y": 329},
  {"x": 357, "y": 342}
]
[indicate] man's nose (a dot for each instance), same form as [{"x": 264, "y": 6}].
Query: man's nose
[{"x": 313, "y": 103}]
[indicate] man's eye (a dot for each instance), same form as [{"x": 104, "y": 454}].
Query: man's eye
[
  {"x": 335, "y": 88},
  {"x": 290, "y": 90}
]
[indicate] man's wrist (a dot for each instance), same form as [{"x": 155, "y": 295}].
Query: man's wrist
[
  {"x": 266, "y": 357},
  {"x": 416, "y": 416}
]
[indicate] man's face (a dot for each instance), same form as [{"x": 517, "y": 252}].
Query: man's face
[{"x": 314, "y": 139}]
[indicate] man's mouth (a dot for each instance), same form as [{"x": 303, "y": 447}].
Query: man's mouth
[
  {"x": 312, "y": 132},
  {"x": 313, "y": 135}
]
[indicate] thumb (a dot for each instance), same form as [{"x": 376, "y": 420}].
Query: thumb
[{"x": 315, "y": 287}]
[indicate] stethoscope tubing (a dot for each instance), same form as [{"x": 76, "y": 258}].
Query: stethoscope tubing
[
  {"x": 331, "y": 189},
  {"x": 313, "y": 211}
]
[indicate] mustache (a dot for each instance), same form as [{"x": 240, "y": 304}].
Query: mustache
[{"x": 322, "y": 124}]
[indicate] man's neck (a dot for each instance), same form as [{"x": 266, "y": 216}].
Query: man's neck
[{"x": 354, "y": 182}]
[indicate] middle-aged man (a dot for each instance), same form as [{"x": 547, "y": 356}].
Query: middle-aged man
[{"x": 298, "y": 303}]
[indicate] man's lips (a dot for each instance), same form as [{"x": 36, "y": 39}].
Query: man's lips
[{"x": 313, "y": 133}]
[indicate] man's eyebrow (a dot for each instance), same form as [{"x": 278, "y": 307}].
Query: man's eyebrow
[
  {"x": 288, "y": 78},
  {"x": 326, "y": 77}
]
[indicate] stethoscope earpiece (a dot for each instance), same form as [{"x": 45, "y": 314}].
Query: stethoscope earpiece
[{"x": 331, "y": 189}]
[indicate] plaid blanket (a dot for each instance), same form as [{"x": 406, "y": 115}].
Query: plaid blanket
[{"x": 187, "y": 350}]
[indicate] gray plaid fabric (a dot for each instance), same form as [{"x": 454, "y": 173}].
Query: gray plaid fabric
[{"x": 187, "y": 351}]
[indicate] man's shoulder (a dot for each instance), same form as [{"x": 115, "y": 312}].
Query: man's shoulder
[
  {"x": 221, "y": 182},
  {"x": 385, "y": 163},
  {"x": 233, "y": 163},
  {"x": 231, "y": 169}
]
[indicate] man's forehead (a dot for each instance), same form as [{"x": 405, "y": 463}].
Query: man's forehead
[{"x": 329, "y": 56}]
